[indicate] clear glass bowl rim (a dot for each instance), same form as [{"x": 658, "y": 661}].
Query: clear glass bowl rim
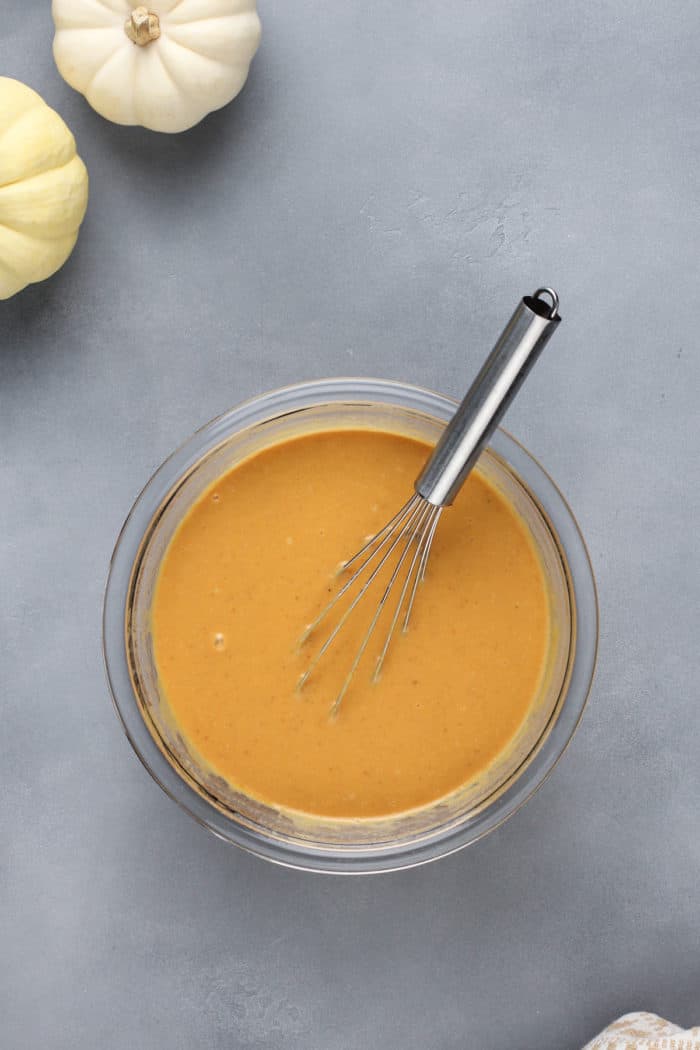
[{"x": 275, "y": 403}]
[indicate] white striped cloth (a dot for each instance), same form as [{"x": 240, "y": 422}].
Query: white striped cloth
[{"x": 645, "y": 1032}]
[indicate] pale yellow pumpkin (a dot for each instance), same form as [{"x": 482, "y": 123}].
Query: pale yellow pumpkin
[
  {"x": 43, "y": 189},
  {"x": 164, "y": 64}
]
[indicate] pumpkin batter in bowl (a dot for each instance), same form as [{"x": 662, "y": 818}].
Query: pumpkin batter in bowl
[
  {"x": 229, "y": 552},
  {"x": 239, "y": 580}
]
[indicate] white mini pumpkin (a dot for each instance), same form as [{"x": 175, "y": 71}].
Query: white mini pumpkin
[
  {"x": 43, "y": 189},
  {"x": 165, "y": 65}
]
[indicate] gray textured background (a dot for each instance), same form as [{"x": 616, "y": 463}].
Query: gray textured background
[{"x": 394, "y": 176}]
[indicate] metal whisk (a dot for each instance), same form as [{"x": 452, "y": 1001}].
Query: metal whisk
[{"x": 402, "y": 547}]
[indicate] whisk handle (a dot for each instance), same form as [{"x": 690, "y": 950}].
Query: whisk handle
[{"x": 489, "y": 396}]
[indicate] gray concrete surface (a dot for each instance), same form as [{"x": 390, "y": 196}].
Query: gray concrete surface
[{"x": 392, "y": 179}]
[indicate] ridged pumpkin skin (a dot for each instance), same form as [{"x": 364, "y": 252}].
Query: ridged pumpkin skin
[
  {"x": 43, "y": 189},
  {"x": 163, "y": 65}
]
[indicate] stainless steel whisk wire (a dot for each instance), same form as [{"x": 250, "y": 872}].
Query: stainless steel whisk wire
[
  {"x": 416, "y": 522},
  {"x": 409, "y": 535}
]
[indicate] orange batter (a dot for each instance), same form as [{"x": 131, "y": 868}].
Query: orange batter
[{"x": 251, "y": 565}]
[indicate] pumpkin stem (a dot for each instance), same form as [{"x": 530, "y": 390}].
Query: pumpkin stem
[{"x": 142, "y": 26}]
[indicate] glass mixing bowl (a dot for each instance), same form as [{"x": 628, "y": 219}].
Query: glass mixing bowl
[{"x": 301, "y": 840}]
